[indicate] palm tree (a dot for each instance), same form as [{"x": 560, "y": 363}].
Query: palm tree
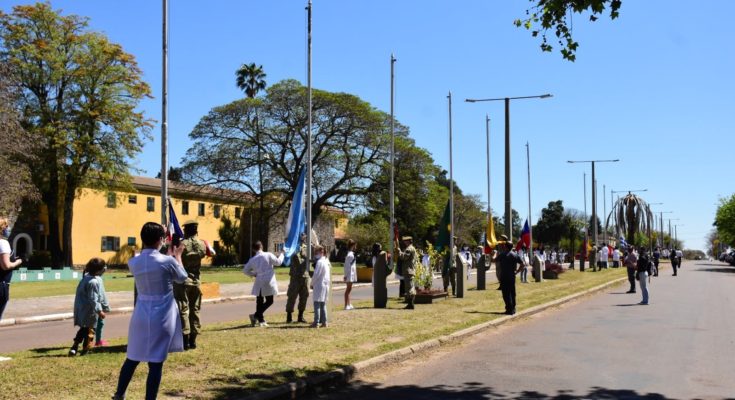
[
  {"x": 250, "y": 79},
  {"x": 631, "y": 215}
]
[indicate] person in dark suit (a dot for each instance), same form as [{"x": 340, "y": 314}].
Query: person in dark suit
[{"x": 508, "y": 260}]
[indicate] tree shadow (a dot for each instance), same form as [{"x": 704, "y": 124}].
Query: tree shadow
[{"x": 725, "y": 270}]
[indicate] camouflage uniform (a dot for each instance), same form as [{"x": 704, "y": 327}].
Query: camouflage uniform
[
  {"x": 298, "y": 285},
  {"x": 188, "y": 295},
  {"x": 408, "y": 259}
]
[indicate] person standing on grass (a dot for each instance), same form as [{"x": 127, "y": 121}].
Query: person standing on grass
[
  {"x": 99, "y": 342},
  {"x": 631, "y": 260},
  {"x": 604, "y": 255},
  {"x": 265, "y": 286},
  {"x": 408, "y": 258},
  {"x": 321, "y": 280},
  {"x": 90, "y": 306},
  {"x": 155, "y": 327},
  {"x": 298, "y": 283},
  {"x": 189, "y": 294},
  {"x": 350, "y": 272},
  {"x": 616, "y": 257},
  {"x": 6, "y": 266}
]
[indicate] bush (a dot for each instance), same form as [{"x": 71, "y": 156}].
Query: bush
[{"x": 39, "y": 259}]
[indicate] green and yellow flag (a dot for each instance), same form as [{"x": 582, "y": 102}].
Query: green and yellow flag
[{"x": 443, "y": 240}]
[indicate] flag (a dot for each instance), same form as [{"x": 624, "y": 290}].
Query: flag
[
  {"x": 443, "y": 240},
  {"x": 174, "y": 229},
  {"x": 296, "y": 222},
  {"x": 490, "y": 240},
  {"x": 525, "y": 237},
  {"x": 623, "y": 243},
  {"x": 209, "y": 250}
]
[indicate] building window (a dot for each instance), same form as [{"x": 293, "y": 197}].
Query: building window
[
  {"x": 132, "y": 199},
  {"x": 151, "y": 204},
  {"x": 110, "y": 243},
  {"x": 131, "y": 241},
  {"x": 237, "y": 212},
  {"x": 111, "y": 199},
  {"x": 217, "y": 209},
  {"x": 185, "y": 207},
  {"x": 201, "y": 209}
]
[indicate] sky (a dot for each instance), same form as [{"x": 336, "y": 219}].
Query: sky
[{"x": 653, "y": 88}]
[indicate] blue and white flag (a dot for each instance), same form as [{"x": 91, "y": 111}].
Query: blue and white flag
[
  {"x": 623, "y": 243},
  {"x": 296, "y": 223},
  {"x": 173, "y": 223}
]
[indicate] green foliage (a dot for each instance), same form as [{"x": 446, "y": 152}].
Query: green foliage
[
  {"x": 725, "y": 220},
  {"x": 556, "y": 15},
  {"x": 79, "y": 99},
  {"x": 551, "y": 227},
  {"x": 229, "y": 234},
  {"x": 424, "y": 277},
  {"x": 250, "y": 79},
  {"x": 365, "y": 232}
]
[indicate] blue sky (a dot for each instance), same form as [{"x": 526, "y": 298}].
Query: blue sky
[{"x": 651, "y": 88}]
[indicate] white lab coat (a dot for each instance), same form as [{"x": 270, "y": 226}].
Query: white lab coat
[
  {"x": 155, "y": 327},
  {"x": 350, "y": 267},
  {"x": 604, "y": 254},
  {"x": 321, "y": 279},
  {"x": 261, "y": 267}
]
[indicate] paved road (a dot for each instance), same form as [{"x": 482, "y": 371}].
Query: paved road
[
  {"x": 60, "y": 333},
  {"x": 681, "y": 346}
]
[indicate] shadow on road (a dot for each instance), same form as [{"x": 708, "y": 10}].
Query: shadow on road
[
  {"x": 726, "y": 270},
  {"x": 476, "y": 391}
]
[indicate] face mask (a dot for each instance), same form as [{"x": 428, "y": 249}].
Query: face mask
[{"x": 6, "y": 232}]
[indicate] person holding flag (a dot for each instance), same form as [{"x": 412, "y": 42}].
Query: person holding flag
[
  {"x": 188, "y": 295},
  {"x": 295, "y": 253}
]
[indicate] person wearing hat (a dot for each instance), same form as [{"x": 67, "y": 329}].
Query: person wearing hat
[
  {"x": 449, "y": 272},
  {"x": 498, "y": 267},
  {"x": 188, "y": 295},
  {"x": 508, "y": 260},
  {"x": 593, "y": 257},
  {"x": 408, "y": 259},
  {"x": 298, "y": 284}
]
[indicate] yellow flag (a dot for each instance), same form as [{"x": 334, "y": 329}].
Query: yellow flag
[{"x": 491, "y": 242}]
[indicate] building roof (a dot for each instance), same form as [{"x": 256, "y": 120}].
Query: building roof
[{"x": 178, "y": 189}]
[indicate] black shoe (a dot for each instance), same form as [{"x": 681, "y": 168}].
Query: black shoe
[
  {"x": 186, "y": 341},
  {"x": 409, "y": 307},
  {"x": 301, "y": 318},
  {"x": 289, "y": 318},
  {"x": 630, "y": 291},
  {"x": 193, "y": 341}
]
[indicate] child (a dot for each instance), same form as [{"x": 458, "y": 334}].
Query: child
[
  {"x": 321, "y": 281},
  {"x": 88, "y": 306},
  {"x": 99, "y": 342}
]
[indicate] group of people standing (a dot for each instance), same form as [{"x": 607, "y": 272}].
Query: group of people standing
[{"x": 641, "y": 267}]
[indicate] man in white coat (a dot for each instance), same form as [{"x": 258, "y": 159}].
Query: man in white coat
[
  {"x": 321, "y": 280},
  {"x": 265, "y": 287}
]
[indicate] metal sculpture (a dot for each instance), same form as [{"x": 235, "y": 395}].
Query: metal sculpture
[{"x": 631, "y": 214}]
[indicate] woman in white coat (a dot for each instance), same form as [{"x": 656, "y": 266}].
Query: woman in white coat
[
  {"x": 265, "y": 287},
  {"x": 155, "y": 327},
  {"x": 321, "y": 281},
  {"x": 350, "y": 272}
]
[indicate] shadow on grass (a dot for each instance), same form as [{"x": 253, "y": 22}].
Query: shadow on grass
[
  {"x": 476, "y": 391},
  {"x": 58, "y": 352},
  {"x": 729, "y": 270},
  {"x": 485, "y": 312}
]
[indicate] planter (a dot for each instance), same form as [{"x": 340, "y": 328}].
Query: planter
[
  {"x": 364, "y": 274},
  {"x": 429, "y": 296},
  {"x": 548, "y": 274}
]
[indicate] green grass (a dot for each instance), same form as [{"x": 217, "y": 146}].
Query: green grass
[
  {"x": 119, "y": 281},
  {"x": 234, "y": 359}
]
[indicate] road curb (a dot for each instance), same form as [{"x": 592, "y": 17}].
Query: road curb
[
  {"x": 126, "y": 310},
  {"x": 345, "y": 374}
]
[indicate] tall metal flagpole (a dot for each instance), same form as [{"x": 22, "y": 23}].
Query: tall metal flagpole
[
  {"x": 451, "y": 190},
  {"x": 164, "y": 120},
  {"x": 539, "y": 277},
  {"x": 583, "y": 253},
  {"x": 392, "y": 162},
  {"x": 604, "y": 213},
  {"x": 487, "y": 134},
  {"x": 308, "y": 138}
]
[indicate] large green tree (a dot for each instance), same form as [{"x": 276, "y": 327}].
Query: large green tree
[
  {"x": 79, "y": 98},
  {"x": 15, "y": 149},
  {"x": 556, "y": 15},
  {"x": 551, "y": 227},
  {"x": 725, "y": 220},
  {"x": 349, "y": 144}
]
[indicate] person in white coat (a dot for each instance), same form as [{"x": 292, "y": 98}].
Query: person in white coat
[
  {"x": 155, "y": 327},
  {"x": 350, "y": 272},
  {"x": 265, "y": 287},
  {"x": 321, "y": 281}
]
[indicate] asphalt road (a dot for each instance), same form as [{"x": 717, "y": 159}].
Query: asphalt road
[
  {"x": 681, "y": 346},
  {"x": 60, "y": 333}
]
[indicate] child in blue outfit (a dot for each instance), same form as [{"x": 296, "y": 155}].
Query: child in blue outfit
[{"x": 90, "y": 305}]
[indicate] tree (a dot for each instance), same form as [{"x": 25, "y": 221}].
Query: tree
[
  {"x": 725, "y": 220},
  {"x": 365, "y": 231},
  {"x": 15, "y": 147},
  {"x": 470, "y": 219},
  {"x": 349, "y": 144},
  {"x": 551, "y": 227},
  {"x": 517, "y": 225},
  {"x": 557, "y": 14},
  {"x": 174, "y": 174},
  {"x": 79, "y": 95}
]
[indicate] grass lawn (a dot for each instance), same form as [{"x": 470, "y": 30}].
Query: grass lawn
[
  {"x": 234, "y": 359},
  {"x": 119, "y": 281}
]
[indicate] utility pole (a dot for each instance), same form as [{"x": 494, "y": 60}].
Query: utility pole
[{"x": 392, "y": 163}]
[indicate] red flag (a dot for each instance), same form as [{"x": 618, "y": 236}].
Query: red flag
[{"x": 525, "y": 237}]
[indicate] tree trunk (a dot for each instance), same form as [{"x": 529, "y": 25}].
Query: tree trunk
[
  {"x": 69, "y": 197},
  {"x": 51, "y": 198}
]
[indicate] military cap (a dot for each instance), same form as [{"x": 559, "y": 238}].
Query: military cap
[
  {"x": 407, "y": 238},
  {"x": 504, "y": 238},
  {"x": 190, "y": 222}
]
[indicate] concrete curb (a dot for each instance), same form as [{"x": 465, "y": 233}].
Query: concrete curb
[
  {"x": 344, "y": 375},
  {"x": 126, "y": 310}
]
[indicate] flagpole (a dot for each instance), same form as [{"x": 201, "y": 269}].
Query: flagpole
[
  {"x": 308, "y": 139},
  {"x": 164, "y": 118},
  {"x": 540, "y": 277},
  {"x": 583, "y": 253},
  {"x": 487, "y": 135},
  {"x": 392, "y": 162},
  {"x": 459, "y": 291}
]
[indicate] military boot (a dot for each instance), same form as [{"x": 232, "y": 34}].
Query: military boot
[
  {"x": 301, "y": 318},
  {"x": 409, "y": 306},
  {"x": 192, "y": 341},
  {"x": 289, "y": 318},
  {"x": 186, "y": 341}
]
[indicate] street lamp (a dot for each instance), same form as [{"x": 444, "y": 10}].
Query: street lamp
[
  {"x": 594, "y": 194},
  {"x": 508, "y": 209}
]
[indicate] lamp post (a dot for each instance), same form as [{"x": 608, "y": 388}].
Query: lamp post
[
  {"x": 650, "y": 234},
  {"x": 594, "y": 194},
  {"x": 508, "y": 208},
  {"x": 671, "y": 236},
  {"x": 661, "y": 224}
]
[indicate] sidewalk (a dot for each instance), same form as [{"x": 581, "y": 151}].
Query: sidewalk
[{"x": 54, "y": 308}]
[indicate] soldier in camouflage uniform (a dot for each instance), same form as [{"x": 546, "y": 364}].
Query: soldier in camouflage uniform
[
  {"x": 188, "y": 295},
  {"x": 298, "y": 285},
  {"x": 408, "y": 258}
]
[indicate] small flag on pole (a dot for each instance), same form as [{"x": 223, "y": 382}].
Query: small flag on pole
[
  {"x": 174, "y": 229},
  {"x": 525, "y": 237},
  {"x": 296, "y": 222},
  {"x": 490, "y": 240}
]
